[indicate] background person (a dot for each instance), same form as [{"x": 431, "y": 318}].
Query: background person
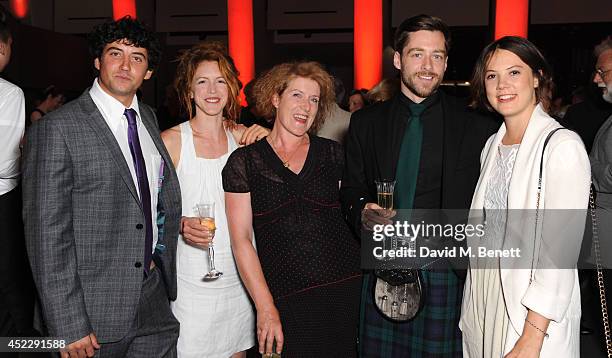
[
  {"x": 16, "y": 286},
  {"x": 601, "y": 166},
  {"x": 49, "y": 100},
  {"x": 358, "y": 99}
]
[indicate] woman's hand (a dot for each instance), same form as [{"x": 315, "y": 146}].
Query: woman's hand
[
  {"x": 530, "y": 343},
  {"x": 239, "y": 216},
  {"x": 252, "y": 133},
  {"x": 195, "y": 233},
  {"x": 528, "y": 346},
  {"x": 269, "y": 330}
]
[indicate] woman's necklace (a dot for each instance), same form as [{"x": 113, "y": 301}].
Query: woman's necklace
[{"x": 286, "y": 162}]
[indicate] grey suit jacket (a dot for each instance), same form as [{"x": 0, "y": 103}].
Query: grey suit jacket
[
  {"x": 336, "y": 124},
  {"x": 601, "y": 161},
  {"x": 83, "y": 222},
  {"x": 601, "y": 171}
]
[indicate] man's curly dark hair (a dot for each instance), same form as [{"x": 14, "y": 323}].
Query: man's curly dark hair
[{"x": 132, "y": 31}]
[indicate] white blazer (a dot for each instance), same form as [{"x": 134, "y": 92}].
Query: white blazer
[{"x": 553, "y": 293}]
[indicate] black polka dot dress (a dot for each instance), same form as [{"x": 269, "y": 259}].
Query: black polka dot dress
[{"x": 308, "y": 255}]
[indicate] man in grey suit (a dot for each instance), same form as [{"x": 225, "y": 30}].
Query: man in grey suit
[
  {"x": 102, "y": 209},
  {"x": 601, "y": 153},
  {"x": 601, "y": 171}
]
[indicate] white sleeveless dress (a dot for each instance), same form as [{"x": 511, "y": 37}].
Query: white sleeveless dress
[{"x": 216, "y": 317}]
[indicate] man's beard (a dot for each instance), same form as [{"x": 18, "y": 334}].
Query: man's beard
[
  {"x": 607, "y": 95},
  {"x": 408, "y": 81}
]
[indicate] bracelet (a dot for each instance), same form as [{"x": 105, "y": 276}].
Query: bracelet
[{"x": 536, "y": 327}]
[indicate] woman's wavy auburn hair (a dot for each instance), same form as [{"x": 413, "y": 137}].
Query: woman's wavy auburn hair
[
  {"x": 188, "y": 63},
  {"x": 276, "y": 80},
  {"x": 527, "y": 52}
]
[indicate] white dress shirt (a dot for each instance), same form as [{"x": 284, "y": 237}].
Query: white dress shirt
[
  {"x": 12, "y": 126},
  {"x": 112, "y": 111}
]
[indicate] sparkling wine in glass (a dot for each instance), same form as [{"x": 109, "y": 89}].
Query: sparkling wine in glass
[
  {"x": 384, "y": 189},
  {"x": 206, "y": 213}
]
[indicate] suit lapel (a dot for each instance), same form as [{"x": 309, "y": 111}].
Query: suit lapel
[
  {"x": 451, "y": 142},
  {"x": 387, "y": 147},
  {"x": 600, "y": 133},
  {"x": 486, "y": 168},
  {"x": 149, "y": 122},
  {"x": 96, "y": 121},
  {"x": 168, "y": 187},
  {"x": 521, "y": 190}
]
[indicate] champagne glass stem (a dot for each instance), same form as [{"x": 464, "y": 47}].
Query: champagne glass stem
[{"x": 211, "y": 257}]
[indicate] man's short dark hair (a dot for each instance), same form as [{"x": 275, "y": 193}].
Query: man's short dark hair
[
  {"x": 132, "y": 31},
  {"x": 418, "y": 23}
]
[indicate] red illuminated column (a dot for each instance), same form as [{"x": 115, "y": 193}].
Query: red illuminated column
[
  {"x": 19, "y": 8},
  {"x": 367, "y": 42},
  {"x": 241, "y": 39},
  {"x": 122, "y": 8},
  {"x": 511, "y": 18}
]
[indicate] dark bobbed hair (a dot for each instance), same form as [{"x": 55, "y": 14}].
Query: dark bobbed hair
[
  {"x": 276, "y": 80},
  {"x": 418, "y": 23},
  {"x": 527, "y": 52},
  {"x": 189, "y": 61},
  {"x": 363, "y": 93},
  {"x": 248, "y": 93},
  {"x": 49, "y": 91},
  {"x": 132, "y": 32}
]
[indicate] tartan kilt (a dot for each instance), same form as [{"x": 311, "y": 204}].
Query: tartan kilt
[{"x": 433, "y": 333}]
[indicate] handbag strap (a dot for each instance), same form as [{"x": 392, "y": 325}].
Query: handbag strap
[
  {"x": 539, "y": 193},
  {"x": 600, "y": 277},
  {"x": 542, "y": 160},
  {"x": 596, "y": 248}
]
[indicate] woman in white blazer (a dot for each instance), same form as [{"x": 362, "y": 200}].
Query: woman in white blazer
[{"x": 527, "y": 306}]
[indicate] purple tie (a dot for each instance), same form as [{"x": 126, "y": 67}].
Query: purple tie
[{"x": 143, "y": 183}]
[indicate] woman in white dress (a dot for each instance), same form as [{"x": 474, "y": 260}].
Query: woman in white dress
[
  {"x": 511, "y": 306},
  {"x": 216, "y": 317}
]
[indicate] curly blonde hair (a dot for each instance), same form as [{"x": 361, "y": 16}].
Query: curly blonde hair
[
  {"x": 276, "y": 80},
  {"x": 188, "y": 62},
  {"x": 384, "y": 90}
]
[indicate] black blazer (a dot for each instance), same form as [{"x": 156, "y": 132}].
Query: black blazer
[{"x": 373, "y": 144}]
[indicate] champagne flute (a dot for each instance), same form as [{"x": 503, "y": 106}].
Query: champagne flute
[
  {"x": 206, "y": 213},
  {"x": 384, "y": 191}
]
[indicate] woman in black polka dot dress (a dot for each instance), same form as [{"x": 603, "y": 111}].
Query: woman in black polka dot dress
[{"x": 304, "y": 277}]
